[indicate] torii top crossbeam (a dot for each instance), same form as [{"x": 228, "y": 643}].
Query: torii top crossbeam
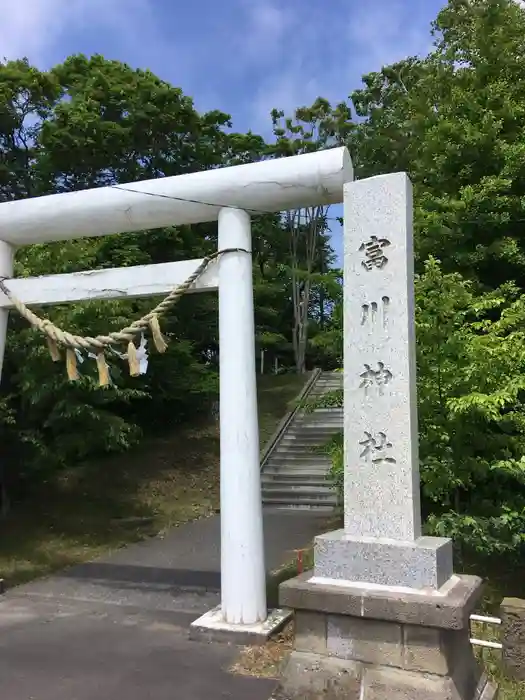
[{"x": 266, "y": 186}]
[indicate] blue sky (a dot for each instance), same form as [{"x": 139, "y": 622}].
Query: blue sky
[{"x": 242, "y": 56}]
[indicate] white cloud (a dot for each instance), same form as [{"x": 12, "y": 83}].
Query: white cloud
[
  {"x": 385, "y": 31},
  {"x": 263, "y": 29},
  {"x": 248, "y": 57},
  {"x": 26, "y": 27},
  {"x": 287, "y": 88},
  {"x": 326, "y": 51},
  {"x": 32, "y": 28}
]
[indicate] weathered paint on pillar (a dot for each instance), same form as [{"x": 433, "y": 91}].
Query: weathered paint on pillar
[{"x": 243, "y": 584}]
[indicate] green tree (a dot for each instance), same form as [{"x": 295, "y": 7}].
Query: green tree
[
  {"x": 471, "y": 426},
  {"x": 472, "y": 438},
  {"x": 27, "y": 97},
  {"x": 313, "y": 128},
  {"x": 92, "y": 122},
  {"x": 454, "y": 121}
]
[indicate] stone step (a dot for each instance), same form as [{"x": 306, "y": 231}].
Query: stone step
[
  {"x": 311, "y": 431},
  {"x": 320, "y": 416},
  {"x": 311, "y": 423},
  {"x": 320, "y": 409},
  {"x": 311, "y": 420},
  {"x": 320, "y": 428},
  {"x": 304, "y": 449},
  {"x": 324, "y": 411},
  {"x": 287, "y": 478},
  {"x": 326, "y": 388},
  {"x": 301, "y": 456},
  {"x": 310, "y": 434},
  {"x": 316, "y": 508},
  {"x": 328, "y": 417},
  {"x": 315, "y": 417},
  {"x": 295, "y": 454},
  {"x": 329, "y": 384},
  {"x": 298, "y": 462},
  {"x": 285, "y": 502},
  {"x": 309, "y": 448},
  {"x": 306, "y": 438},
  {"x": 305, "y": 461},
  {"x": 299, "y": 487},
  {"x": 320, "y": 479},
  {"x": 312, "y": 469},
  {"x": 296, "y": 474},
  {"x": 319, "y": 472},
  {"x": 277, "y": 499},
  {"x": 277, "y": 502},
  {"x": 304, "y": 458}
]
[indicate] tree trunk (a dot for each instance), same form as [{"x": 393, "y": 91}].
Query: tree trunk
[
  {"x": 314, "y": 218},
  {"x": 4, "y": 498}
]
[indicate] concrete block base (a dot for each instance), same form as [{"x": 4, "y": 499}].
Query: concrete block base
[
  {"x": 513, "y": 636},
  {"x": 425, "y": 563},
  {"x": 211, "y": 627},
  {"x": 311, "y": 677},
  {"x": 382, "y": 645}
]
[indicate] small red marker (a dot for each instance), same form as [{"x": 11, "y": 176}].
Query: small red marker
[{"x": 300, "y": 561}]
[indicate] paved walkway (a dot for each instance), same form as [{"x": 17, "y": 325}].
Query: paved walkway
[
  {"x": 51, "y": 651},
  {"x": 117, "y": 628},
  {"x": 190, "y": 555}
]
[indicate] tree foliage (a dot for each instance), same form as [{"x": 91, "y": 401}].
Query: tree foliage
[
  {"x": 309, "y": 256},
  {"x": 454, "y": 120},
  {"x": 91, "y": 122},
  {"x": 471, "y": 391}
]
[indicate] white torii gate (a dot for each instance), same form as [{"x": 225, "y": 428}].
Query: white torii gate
[{"x": 227, "y": 195}]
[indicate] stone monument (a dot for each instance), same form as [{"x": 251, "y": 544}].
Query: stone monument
[{"x": 382, "y": 614}]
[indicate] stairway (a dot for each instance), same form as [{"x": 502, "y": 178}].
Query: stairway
[{"x": 292, "y": 474}]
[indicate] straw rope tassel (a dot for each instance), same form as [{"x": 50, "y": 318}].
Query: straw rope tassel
[
  {"x": 53, "y": 349},
  {"x": 71, "y": 365},
  {"x": 57, "y": 337},
  {"x": 103, "y": 370},
  {"x": 133, "y": 360},
  {"x": 159, "y": 341}
]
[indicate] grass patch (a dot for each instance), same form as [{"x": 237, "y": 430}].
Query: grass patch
[
  {"x": 276, "y": 396},
  {"x": 100, "y": 506},
  {"x": 491, "y": 661},
  {"x": 288, "y": 571},
  {"x": 502, "y": 580},
  {"x": 267, "y": 660}
]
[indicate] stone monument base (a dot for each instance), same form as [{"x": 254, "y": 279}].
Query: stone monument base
[
  {"x": 358, "y": 643},
  {"x": 427, "y": 562}
]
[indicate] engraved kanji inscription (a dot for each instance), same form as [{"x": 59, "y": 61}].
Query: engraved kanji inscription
[
  {"x": 377, "y": 448},
  {"x": 375, "y": 377},
  {"x": 373, "y": 312},
  {"x": 374, "y": 254}
]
